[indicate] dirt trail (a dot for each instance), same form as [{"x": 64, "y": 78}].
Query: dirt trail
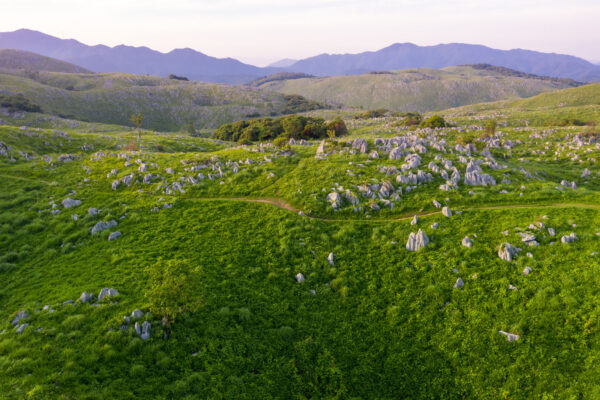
[{"x": 280, "y": 203}]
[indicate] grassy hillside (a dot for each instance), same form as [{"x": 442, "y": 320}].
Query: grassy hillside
[
  {"x": 581, "y": 104},
  {"x": 165, "y": 104},
  {"x": 377, "y": 321},
  {"x": 24, "y": 60},
  {"x": 417, "y": 90}
]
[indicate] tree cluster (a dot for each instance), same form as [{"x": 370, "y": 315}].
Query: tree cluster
[{"x": 293, "y": 126}]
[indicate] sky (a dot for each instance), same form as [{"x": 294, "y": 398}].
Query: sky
[{"x": 263, "y": 31}]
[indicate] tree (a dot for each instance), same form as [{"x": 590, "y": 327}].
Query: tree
[
  {"x": 173, "y": 289},
  {"x": 136, "y": 119},
  {"x": 490, "y": 126},
  {"x": 338, "y": 126}
]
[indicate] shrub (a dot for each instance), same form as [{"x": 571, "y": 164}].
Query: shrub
[{"x": 435, "y": 121}]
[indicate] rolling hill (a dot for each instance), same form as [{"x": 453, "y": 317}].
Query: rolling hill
[
  {"x": 24, "y": 60},
  {"x": 574, "y": 106},
  {"x": 408, "y": 55},
  {"x": 417, "y": 90},
  {"x": 165, "y": 104}
]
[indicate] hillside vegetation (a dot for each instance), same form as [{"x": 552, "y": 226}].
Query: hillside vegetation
[
  {"x": 11, "y": 59},
  {"x": 418, "y": 90},
  {"x": 165, "y": 104},
  {"x": 563, "y": 107},
  {"x": 253, "y": 272}
]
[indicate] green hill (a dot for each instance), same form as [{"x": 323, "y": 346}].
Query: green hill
[
  {"x": 419, "y": 90},
  {"x": 165, "y": 104},
  {"x": 577, "y": 106},
  {"x": 31, "y": 62}
]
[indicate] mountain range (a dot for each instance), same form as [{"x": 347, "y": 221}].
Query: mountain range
[{"x": 201, "y": 67}]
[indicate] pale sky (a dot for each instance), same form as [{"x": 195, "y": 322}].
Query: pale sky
[{"x": 263, "y": 31}]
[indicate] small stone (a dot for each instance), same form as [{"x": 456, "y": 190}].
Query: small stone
[
  {"x": 299, "y": 277},
  {"x": 137, "y": 314},
  {"x": 512, "y": 287},
  {"x": 467, "y": 242},
  {"x": 527, "y": 271},
  {"x": 510, "y": 337},
  {"x": 21, "y": 328},
  {"x": 114, "y": 235},
  {"x": 459, "y": 284},
  {"x": 86, "y": 297},
  {"x": 106, "y": 292},
  {"x": 330, "y": 259},
  {"x": 446, "y": 212},
  {"x": 145, "y": 330},
  {"x": 68, "y": 202}
]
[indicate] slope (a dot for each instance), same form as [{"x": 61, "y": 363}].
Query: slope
[
  {"x": 574, "y": 106},
  {"x": 417, "y": 89},
  {"x": 165, "y": 104},
  {"x": 11, "y": 59}
]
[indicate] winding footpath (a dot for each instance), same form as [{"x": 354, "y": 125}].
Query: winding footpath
[{"x": 284, "y": 205}]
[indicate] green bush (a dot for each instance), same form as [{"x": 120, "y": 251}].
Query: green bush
[{"x": 435, "y": 121}]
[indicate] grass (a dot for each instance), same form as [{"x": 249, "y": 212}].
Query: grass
[{"x": 383, "y": 322}]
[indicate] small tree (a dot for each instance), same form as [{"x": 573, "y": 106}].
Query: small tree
[
  {"x": 490, "y": 127},
  {"x": 136, "y": 119},
  {"x": 435, "y": 121},
  {"x": 172, "y": 291}
]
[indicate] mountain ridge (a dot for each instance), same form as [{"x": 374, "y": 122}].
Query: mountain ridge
[{"x": 201, "y": 67}]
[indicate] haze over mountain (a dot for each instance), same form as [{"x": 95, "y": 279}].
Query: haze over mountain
[
  {"x": 286, "y": 62},
  {"x": 137, "y": 60},
  {"x": 408, "y": 55},
  {"x": 199, "y": 66}
]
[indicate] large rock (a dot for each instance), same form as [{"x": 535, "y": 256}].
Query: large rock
[
  {"x": 137, "y": 314},
  {"x": 507, "y": 252},
  {"x": 145, "y": 335},
  {"x": 86, "y": 297},
  {"x": 100, "y": 226},
  {"x": 446, "y": 212},
  {"x": 334, "y": 199},
  {"x": 107, "y": 292},
  {"x": 68, "y": 202},
  {"x": 417, "y": 241}
]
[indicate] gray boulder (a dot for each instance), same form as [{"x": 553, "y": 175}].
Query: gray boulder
[
  {"x": 459, "y": 284},
  {"x": 334, "y": 199},
  {"x": 137, "y": 314},
  {"x": 507, "y": 251},
  {"x": 21, "y": 328},
  {"x": 86, "y": 297},
  {"x": 330, "y": 259},
  {"x": 417, "y": 241},
  {"x": 145, "y": 335},
  {"x": 299, "y": 277},
  {"x": 114, "y": 235},
  {"x": 106, "y": 292},
  {"x": 68, "y": 202},
  {"x": 20, "y": 315},
  {"x": 446, "y": 212},
  {"x": 100, "y": 226}
]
